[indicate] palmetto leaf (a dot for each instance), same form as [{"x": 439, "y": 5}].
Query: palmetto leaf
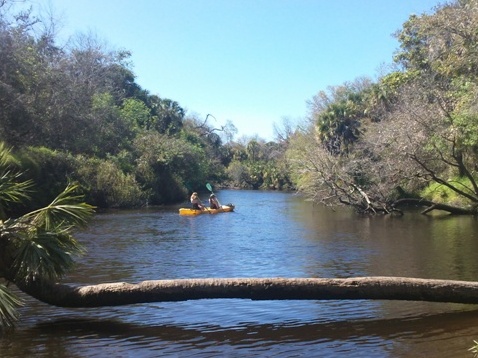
[
  {"x": 11, "y": 190},
  {"x": 6, "y": 157},
  {"x": 64, "y": 212},
  {"x": 38, "y": 244},
  {"x": 44, "y": 245},
  {"x": 48, "y": 255},
  {"x": 8, "y": 304}
]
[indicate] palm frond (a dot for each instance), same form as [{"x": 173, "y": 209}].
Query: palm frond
[
  {"x": 48, "y": 255},
  {"x": 66, "y": 211},
  {"x": 12, "y": 190},
  {"x": 6, "y": 157},
  {"x": 8, "y": 307},
  {"x": 44, "y": 246}
]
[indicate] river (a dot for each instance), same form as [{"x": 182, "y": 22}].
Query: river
[{"x": 270, "y": 234}]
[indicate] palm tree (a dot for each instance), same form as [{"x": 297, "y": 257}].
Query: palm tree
[
  {"x": 338, "y": 126},
  {"x": 38, "y": 244}
]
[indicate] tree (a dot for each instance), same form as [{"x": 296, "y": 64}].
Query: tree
[
  {"x": 114, "y": 126},
  {"x": 415, "y": 144},
  {"x": 21, "y": 72},
  {"x": 62, "y": 96},
  {"x": 339, "y": 114},
  {"x": 37, "y": 245},
  {"x": 327, "y": 178},
  {"x": 438, "y": 145},
  {"x": 165, "y": 165},
  {"x": 435, "y": 118},
  {"x": 443, "y": 43},
  {"x": 169, "y": 115},
  {"x": 283, "y": 131},
  {"x": 417, "y": 126},
  {"x": 136, "y": 114},
  {"x": 355, "y": 288}
]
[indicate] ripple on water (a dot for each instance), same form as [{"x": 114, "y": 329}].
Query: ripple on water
[{"x": 270, "y": 235}]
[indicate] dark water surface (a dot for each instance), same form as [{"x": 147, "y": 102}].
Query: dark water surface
[{"x": 270, "y": 235}]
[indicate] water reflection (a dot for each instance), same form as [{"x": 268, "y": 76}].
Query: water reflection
[{"x": 112, "y": 335}]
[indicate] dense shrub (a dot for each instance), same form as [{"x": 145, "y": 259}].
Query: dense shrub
[{"x": 106, "y": 186}]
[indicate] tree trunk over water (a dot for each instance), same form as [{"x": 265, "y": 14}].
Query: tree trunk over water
[
  {"x": 430, "y": 205},
  {"x": 374, "y": 288}
]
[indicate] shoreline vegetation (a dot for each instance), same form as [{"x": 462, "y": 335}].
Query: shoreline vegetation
[{"x": 73, "y": 113}]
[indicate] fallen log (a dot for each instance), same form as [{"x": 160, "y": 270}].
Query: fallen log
[
  {"x": 372, "y": 288},
  {"x": 430, "y": 205}
]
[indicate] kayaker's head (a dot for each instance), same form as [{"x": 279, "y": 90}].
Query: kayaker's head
[
  {"x": 195, "y": 194},
  {"x": 212, "y": 196}
]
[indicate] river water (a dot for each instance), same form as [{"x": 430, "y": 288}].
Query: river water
[{"x": 271, "y": 234}]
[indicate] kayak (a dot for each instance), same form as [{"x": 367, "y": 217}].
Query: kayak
[{"x": 192, "y": 212}]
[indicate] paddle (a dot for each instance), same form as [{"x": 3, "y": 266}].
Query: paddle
[
  {"x": 209, "y": 187},
  {"x": 205, "y": 208}
]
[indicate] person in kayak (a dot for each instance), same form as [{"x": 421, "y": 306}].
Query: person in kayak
[
  {"x": 196, "y": 202},
  {"x": 213, "y": 202}
]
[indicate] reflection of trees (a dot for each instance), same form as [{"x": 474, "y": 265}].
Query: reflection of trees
[{"x": 262, "y": 334}]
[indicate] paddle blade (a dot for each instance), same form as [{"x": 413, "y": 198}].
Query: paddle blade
[{"x": 209, "y": 187}]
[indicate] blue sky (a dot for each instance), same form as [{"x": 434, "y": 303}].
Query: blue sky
[{"x": 253, "y": 62}]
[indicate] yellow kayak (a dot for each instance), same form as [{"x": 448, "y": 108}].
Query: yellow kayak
[{"x": 192, "y": 212}]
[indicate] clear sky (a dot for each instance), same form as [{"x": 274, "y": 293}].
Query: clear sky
[{"x": 253, "y": 62}]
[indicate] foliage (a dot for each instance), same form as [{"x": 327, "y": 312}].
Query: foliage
[
  {"x": 106, "y": 185},
  {"x": 39, "y": 243},
  {"x": 12, "y": 189},
  {"x": 113, "y": 127},
  {"x": 165, "y": 164},
  {"x": 8, "y": 304},
  {"x": 74, "y": 112},
  {"x": 137, "y": 114},
  {"x": 259, "y": 165},
  {"x": 338, "y": 126},
  {"x": 340, "y": 113},
  {"x": 474, "y": 349},
  {"x": 440, "y": 193},
  {"x": 49, "y": 170},
  {"x": 414, "y": 129},
  {"x": 169, "y": 117},
  {"x": 444, "y": 42}
]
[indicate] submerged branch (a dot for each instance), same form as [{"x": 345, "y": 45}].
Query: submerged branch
[{"x": 430, "y": 206}]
